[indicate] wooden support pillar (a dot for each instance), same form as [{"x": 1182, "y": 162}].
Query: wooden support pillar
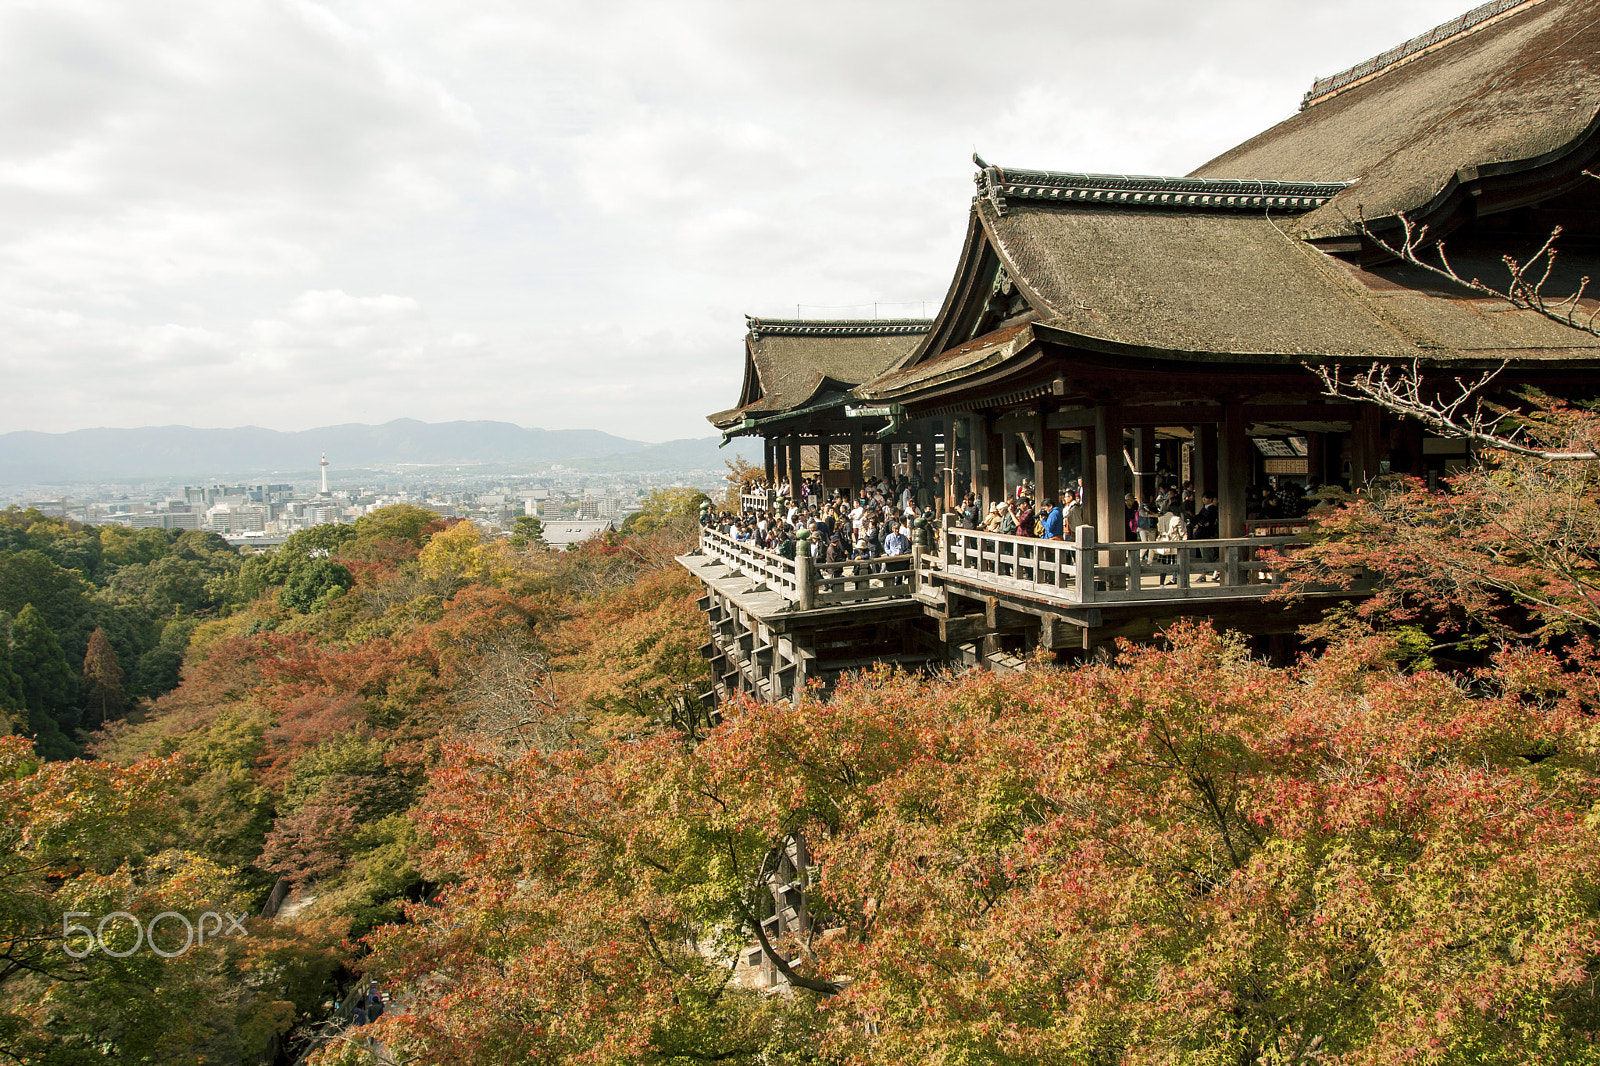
[
  {"x": 1205, "y": 461},
  {"x": 927, "y": 469},
  {"x": 1087, "y": 467},
  {"x": 770, "y": 464},
  {"x": 1317, "y": 457},
  {"x": 977, "y": 440},
  {"x": 1047, "y": 484},
  {"x": 1110, "y": 516},
  {"x": 1036, "y": 441},
  {"x": 1409, "y": 432},
  {"x": 1364, "y": 445},
  {"x": 1233, "y": 471},
  {"x": 1144, "y": 465},
  {"x": 856, "y": 482},
  {"x": 994, "y": 468},
  {"x": 793, "y": 448}
]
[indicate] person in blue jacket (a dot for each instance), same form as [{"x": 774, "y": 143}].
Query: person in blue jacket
[{"x": 1052, "y": 521}]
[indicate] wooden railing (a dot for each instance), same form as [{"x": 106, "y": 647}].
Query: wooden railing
[
  {"x": 776, "y": 572},
  {"x": 811, "y": 584},
  {"x": 887, "y": 577},
  {"x": 1086, "y": 571},
  {"x": 1073, "y": 572},
  {"x": 756, "y": 501}
]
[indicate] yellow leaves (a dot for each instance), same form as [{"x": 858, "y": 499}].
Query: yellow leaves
[{"x": 459, "y": 551}]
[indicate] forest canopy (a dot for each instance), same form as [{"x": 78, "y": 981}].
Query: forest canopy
[{"x": 480, "y": 773}]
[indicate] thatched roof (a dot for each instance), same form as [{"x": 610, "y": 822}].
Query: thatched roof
[
  {"x": 796, "y": 363},
  {"x": 1505, "y": 92}
]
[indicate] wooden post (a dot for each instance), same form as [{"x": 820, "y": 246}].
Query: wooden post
[
  {"x": 1041, "y": 491},
  {"x": 1086, "y": 465},
  {"x": 1364, "y": 445},
  {"x": 977, "y": 441},
  {"x": 916, "y": 567},
  {"x": 794, "y": 470},
  {"x": 1317, "y": 457},
  {"x": 1110, "y": 514},
  {"x": 1083, "y": 564},
  {"x": 1205, "y": 461},
  {"x": 1144, "y": 462},
  {"x": 926, "y": 469},
  {"x": 768, "y": 454},
  {"x": 1048, "y": 483},
  {"x": 994, "y": 468},
  {"x": 1233, "y": 471},
  {"x": 1410, "y": 434},
  {"x": 855, "y": 464},
  {"x": 805, "y": 574}
]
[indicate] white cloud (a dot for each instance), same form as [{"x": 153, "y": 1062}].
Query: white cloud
[{"x": 294, "y": 212}]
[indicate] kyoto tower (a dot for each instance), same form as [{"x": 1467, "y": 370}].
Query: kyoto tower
[{"x": 324, "y": 474}]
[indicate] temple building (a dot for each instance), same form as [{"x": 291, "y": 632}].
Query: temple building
[{"x": 1117, "y": 333}]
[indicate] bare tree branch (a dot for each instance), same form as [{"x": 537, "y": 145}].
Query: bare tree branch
[
  {"x": 1525, "y": 288},
  {"x": 511, "y": 703},
  {"x": 1464, "y": 416}
]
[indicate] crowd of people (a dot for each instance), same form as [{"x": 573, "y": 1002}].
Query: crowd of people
[
  {"x": 884, "y": 517},
  {"x": 834, "y": 527}
]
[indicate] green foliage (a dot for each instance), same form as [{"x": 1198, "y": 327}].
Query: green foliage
[
  {"x": 12, "y": 697},
  {"x": 527, "y": 530},
  {"x": 297, "y": 553},
  {"x": 59, "y": 596},
  {"x": 312, "y": 586},
  {"x": 104, "y": 693},
  {"x": 664, "y": 508},
  {"x": 123, "y": 546},
  {"x": 49, "y": 685},
  {"x": 401, "y": 521}
]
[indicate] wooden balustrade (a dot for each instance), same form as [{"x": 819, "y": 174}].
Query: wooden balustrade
[
  {"x": 812, "y": 584},
  {"x": 1084, "y": 570},
  {"x": 776, "y": 572}
]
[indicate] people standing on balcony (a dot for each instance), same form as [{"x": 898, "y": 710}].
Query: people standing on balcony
[
  {"x": 1073, "y": 518},
  {"x": 1053, "y": 518},
  {"x": 1141, "y": 525},
  {"x": 1170, "y": 529},
  {"x": 1008, "y": 521},
  {"x": 971, "y": 513},
  {"x": 1025, "y": 517}
]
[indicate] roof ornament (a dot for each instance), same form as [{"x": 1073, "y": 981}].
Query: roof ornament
[{"x": 990, "y": 181}]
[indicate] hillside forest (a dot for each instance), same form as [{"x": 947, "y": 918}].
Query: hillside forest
[{"x": 479, "y": 773}]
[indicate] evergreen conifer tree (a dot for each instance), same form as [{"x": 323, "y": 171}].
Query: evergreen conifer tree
[
  {"x": 105, "y": 696},
  {"x": 48, "y": 685}
]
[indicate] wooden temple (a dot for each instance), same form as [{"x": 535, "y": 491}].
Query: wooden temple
[{"x": 1117, "y": 331}]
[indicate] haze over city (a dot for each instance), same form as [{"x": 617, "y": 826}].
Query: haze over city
[{"x": 293, "y": 214}]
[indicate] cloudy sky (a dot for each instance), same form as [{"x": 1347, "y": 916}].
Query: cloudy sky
[{"x": 291, "y": 213}]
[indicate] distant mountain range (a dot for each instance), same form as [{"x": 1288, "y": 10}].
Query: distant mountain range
[{"x": 181, "y": 452}]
